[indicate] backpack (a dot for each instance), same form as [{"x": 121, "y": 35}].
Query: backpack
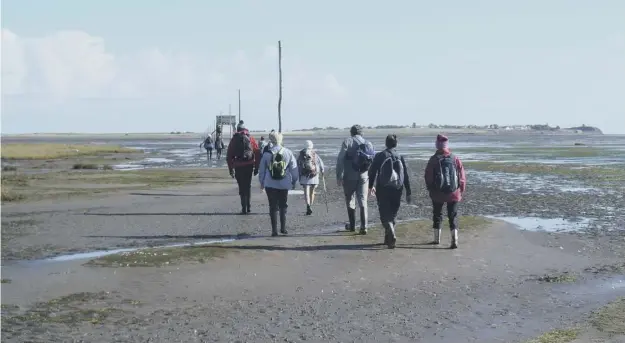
[
  {"x": 391, "y": 173},
  {"x": 243, "y": 147},
  {"x": 363, "y": 157},
  {"x": 277, "y": 168},
  {"x": 208, "y": 143},
  {"x": 446, "y": 175},
  {"x": 307, "y": 163}
]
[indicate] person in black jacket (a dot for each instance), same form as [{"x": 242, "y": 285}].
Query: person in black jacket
[{"x": 390, "y": 175}]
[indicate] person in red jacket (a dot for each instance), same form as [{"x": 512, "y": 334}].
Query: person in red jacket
[
  {"x": 446, "y": 182},
  {"x": 243, "y": 159}
]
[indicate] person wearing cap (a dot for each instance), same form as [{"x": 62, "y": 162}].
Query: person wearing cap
[
  {"x": 446, "y": 182},
  {"x": 355, "y": 181},
  {"x": 243, "y": 162}
]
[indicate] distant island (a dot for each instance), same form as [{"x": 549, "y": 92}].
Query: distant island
[{"x": 492, "y": 127}]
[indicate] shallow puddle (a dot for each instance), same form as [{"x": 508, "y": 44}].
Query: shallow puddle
[
  {"x": 546, "y": 224},
  {"x": 101, "y": 253}
]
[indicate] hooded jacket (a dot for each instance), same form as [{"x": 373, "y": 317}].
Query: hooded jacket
[
  {"x": 436, "y": 195},
  {"x": 344, "y": 170},
  {"x": 230, "y": 157}
]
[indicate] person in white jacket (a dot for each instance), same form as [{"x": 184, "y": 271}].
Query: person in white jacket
[
  {"x": 277, "y": 175},
  {"x": 310, "y": 167}
]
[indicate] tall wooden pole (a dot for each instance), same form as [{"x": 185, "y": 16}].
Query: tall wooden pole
[
  {"x": 239, "y": 105},
  {"x": 279, "y": 86}
]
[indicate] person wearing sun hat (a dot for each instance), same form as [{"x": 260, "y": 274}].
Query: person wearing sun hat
[
  {"x": 310, "y": 167},
  {"x": 446, "y": 182}
]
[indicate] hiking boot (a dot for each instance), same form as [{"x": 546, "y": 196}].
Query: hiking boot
[
  {"x": 363, "y": 221},
  {"x": 454, "y": 239},
  {"x": 437, "y": 237},
  {"x": 351, "y": 226},
  {"x": 243, "y": 204},
  {"x": 274, "y": 223},
  {"x": 283, "y": 221},
  {"x": 392, "y": 239},
  {"x": 308, "y": 210}
]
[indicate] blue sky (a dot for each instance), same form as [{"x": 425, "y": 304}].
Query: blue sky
[{"x": 154, "y": 66}]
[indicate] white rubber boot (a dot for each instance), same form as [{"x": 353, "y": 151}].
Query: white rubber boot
[
  {"x": 437, "y": 236},
  {"x": 454, "y": 239}
]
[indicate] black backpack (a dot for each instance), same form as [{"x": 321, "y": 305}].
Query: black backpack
[
  {"x": 243, "y": 147},
  {"x": 446, "y": 174},
  {"x": 391, "y": 174}
]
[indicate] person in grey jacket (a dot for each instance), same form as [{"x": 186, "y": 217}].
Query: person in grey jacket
[
  {"x": 308, "y": 181},
  {"x": 277, "y": 175},
  {"x": 354, "y": 182}
]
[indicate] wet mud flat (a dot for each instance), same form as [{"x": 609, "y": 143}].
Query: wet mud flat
[
  {"x": 332, "y": 286},
  {"x": 503, "y": 283}
]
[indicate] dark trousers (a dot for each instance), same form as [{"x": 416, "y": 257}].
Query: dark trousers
[
  {"x": 389, "y": 201},
  {"x": 277, "y": 204},
  {"x": 452, "y": 214},
  {"x": 244, "y": 180}
]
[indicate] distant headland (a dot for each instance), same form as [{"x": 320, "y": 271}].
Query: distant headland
[{"x": 546, "y": 128}]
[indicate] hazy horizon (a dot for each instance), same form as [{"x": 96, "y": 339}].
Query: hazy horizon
[{"x": 143, "y": 67}]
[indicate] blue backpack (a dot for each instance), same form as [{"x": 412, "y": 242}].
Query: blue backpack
[{"x": 363, "y": 158}]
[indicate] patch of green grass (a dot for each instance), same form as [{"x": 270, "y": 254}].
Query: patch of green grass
[
  {"x": 611, "y": 318},
  {"x": 421, "y": 230},
  {"x": 158, "y": 257},
  {"x": 72, "y": 309},
  {"x": 9, "y": 307},
  {"x": 65, "y": 184},
  {"x": 556, "y": 336},
  {"x": 50, "y": 151},
  {"x": 11, "y": 196},
  {"x": 604, "y": 173},
  {"x": 5, "y": 281},
  {"x": 606, "y": 268},
  {"x": 543, "y": 152},
  {"x": 9, "y": 168},
  {"x": 565, "y": 277},
  {"x": 107, "y": 167},
  {"x": 85, "y": 166}
]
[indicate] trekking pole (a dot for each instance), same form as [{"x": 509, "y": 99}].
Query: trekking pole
[{"x": 325, "y": 192}]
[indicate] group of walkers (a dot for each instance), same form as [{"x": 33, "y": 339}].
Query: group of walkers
[
  {"x": 360, "y": 171},
  {"x": 209, "y": 144}
]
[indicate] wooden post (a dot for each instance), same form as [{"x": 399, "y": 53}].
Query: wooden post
[
  {"x": 239, "y": 105},
  {"x": 280, "y": 86}
]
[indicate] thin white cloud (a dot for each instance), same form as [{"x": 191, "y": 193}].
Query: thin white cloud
[{"x": 69, "y": 65}]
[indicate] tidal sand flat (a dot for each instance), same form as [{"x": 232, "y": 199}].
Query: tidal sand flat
[{"x": 192, "y": 269}]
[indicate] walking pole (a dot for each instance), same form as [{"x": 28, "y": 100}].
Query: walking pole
[{"x": 325, "y": 192}]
